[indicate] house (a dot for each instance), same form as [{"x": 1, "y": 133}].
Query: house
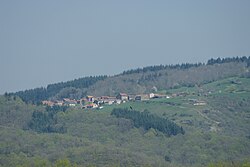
[
  {"x": 131, "y": 97},
  {"x": 59, "y": 103},
  {"x": 90, "y": 98},
  {"x": 122, "y": 96},
  {"x": 151, "y": 95},
  {"x": 104, "y": 97},
  {"x": 69, "y": 102},
  {"x": 91, "y": 105},
  {"x": 48, "y": 103},
  {"x": 142, "y": 97},
  {"x": 106, "y": 100},
  {"x": 138, "y": 97},
  {"x": 110, "y": 101}
]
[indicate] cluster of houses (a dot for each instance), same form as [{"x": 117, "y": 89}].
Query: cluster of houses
[{"x": 98, "y": 102}]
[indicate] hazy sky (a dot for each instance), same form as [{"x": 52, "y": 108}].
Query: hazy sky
[{"x": 43, "y": 42}]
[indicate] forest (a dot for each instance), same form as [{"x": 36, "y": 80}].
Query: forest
[
  {"x": 148, "y": 121},
  {"x": 46, "y": 122},
  {"x": 35, "y": 96}
]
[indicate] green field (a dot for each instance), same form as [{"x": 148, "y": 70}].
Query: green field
[{"x": 218, "y": 131}]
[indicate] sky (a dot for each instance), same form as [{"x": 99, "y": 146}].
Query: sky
[{"x": 49, "y": 41}]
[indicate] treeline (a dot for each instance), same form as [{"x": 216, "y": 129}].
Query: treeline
[
  {"x": 46, "y": 121},
  {"x": 162, "y": 67},
  {"x": 77, "y": 83},
  {"x": 147, "y": 121},
  {"x": 184, "y": 66},
  {"x": 35, "y": 96},
  {"x": 229, "y": 60}
]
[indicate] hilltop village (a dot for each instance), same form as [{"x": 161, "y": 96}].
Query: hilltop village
[
  {"x": 92, "y": 102},
  {"x": 89, "y": 102}
]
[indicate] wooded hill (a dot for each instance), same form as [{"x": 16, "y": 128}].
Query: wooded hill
[
  {"x": 157, "y": 132},
  {"x": 163, "y": 132},
  {"x": 142, "y": 80}
]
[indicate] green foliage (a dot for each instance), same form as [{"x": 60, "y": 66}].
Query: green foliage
[
  {"x": 36, "y": 95},
  {"x": 45, "y": 122},
  {"x": 147, "y": 121}
]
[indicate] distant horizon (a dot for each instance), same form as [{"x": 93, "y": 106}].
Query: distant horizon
[{"x": 44, "y": 42}]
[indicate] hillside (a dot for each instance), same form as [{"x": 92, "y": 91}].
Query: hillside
[
  {"x": 215, "y": 117},
  {"x": 141, "y": 80}
]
